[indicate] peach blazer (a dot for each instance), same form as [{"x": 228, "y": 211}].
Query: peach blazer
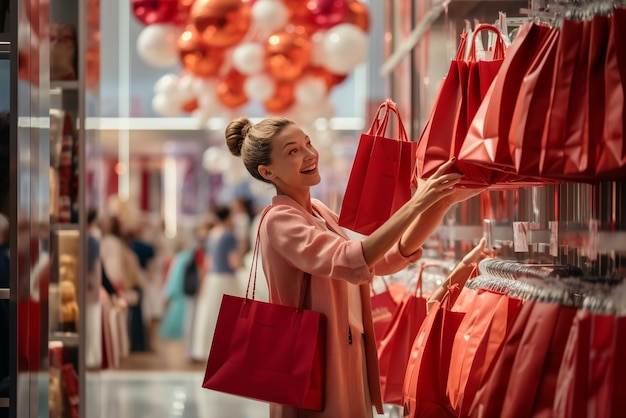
[{"x": 292, "y": 242}]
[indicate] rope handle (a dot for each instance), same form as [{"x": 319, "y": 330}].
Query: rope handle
[{"x": 498, "y": 50}]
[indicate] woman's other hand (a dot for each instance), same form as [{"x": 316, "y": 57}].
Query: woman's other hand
[
  {"x": 479, "y": 252},
  {"x": 441, "y": 185}
]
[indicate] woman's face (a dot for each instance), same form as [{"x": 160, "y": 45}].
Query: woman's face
[{"x": 294, "y": 160}]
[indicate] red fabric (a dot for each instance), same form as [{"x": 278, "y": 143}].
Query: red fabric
[{"x": 384, "y": 307}]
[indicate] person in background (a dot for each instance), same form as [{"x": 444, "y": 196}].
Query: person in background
[
  {"x": 243, "y": 213},
  {"x": 301, "y": 235},
  {"x": 224, "y": 258}
]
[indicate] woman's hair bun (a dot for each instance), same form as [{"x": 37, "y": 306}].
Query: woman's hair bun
[{"x": 236, "y": 133}]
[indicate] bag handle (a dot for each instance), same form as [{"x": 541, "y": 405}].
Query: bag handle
[
  {"x": 380, "y": 123},
  {"x": 420, "y": 273},
  {"x": 373, "y": 293},
  {"x": 306, "y": 279},
  {"x": 499, "y": 47}
]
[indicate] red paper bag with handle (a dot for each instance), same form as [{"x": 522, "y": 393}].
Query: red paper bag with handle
[
  {"x": 384, "y": 307},
  {"x": 424, "y": 390},
  {"x": 486, "y": 143},
  {"x": 611, "y": 153},
  {"x": 268, "y": 352},
  {"x": 395, "y": 347},
  {"x": 380, "y": 179}
]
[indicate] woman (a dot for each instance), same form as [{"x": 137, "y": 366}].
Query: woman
[
  {"x": 300, "y": 234},
  {"x": 224, "y": 258}
]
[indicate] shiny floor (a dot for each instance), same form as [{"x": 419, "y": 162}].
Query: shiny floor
[{"x": 158, "y": 394}]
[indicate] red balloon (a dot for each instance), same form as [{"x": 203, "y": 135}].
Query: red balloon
[
  {"x": 196, "y": 57},
  {"x": 287, "y": 55},
  {"x": 328, "y": 13},
  {"x": 221, "y": 23},
  {"x": 190, "y": 105},
  {"x": 329, "y": 78},
  {"x": 300, "y": 18},
  {"x": 230, "y": 90},
  {"x": 358, "y": 15},
  {"x": 283, "y": 98},
  {"x": 155, "y": 11}
]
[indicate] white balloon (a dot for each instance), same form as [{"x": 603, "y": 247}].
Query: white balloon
[
  {"x": 156, "y": 44},
  {"x": 164, "y": 105},
  {"x": 259, "y": 87},
  {"x": 216, "y": 160},
  {"x": 248, "y": 58},
  {"x": 317, "y": 48},
  {"x": 270, "y": 15},
  {"x": 310, "y": 91},
  {"x": 307, "y": 115},
  {"x": 166, "y": 84},
  {"x": 345, "y": 46}
]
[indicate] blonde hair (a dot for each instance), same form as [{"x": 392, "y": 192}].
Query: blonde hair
[{"x": 253, "y": 143}]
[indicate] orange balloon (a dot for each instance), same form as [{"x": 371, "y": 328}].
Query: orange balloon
[
  {"x": 358, "y": 15},
  {"x": 196, "y": 57},
  {"x": 230, "y": 90},
  {"x": 300, "y": 18},
  {"x": 221, "y": 23},
  {"x": 283, "y": 98},
  {"x": 329, "y": 78},
  {"x": 287, "y": 55},
  {"x": 190, "y": 105}
]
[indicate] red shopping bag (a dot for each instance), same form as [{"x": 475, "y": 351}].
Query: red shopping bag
[
  {"x": 531, "y": 109},
  {"x": 490, "y": 397},
  {"x": 426, "y": 373},
  {"x": 570, "y": 399},
  {"x": 565, "y": 141},
  {"x": 486, "y": 141},
  {"x": 601, "y": 366},
  {"x": 618, "y": 400},
  {"x": 384, "y": 307},
  {"x": 458, "y": 98},
  {"x": 611, "y": 152},
  {"x": 534, "y": 371},
  {"x": 476, "y": 344},
  {"x": 380, "y": 179},
  {"x": 395, "y": 347}
]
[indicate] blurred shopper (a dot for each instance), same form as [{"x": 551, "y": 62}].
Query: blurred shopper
[
  {"x": 224, "y": 258},
  {"x": 122, "y": 267}
]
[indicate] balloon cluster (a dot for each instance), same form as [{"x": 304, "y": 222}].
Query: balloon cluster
[{"x": 284, "y": 54}]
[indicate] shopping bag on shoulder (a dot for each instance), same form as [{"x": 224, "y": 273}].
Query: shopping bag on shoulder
[
  {"x": 268, "y": 352},
  {"x": 380, "y": 179},
  {"x": 395, "y": 347}
]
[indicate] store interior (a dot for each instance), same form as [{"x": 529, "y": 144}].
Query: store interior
[{"x": 115, "y": 111}]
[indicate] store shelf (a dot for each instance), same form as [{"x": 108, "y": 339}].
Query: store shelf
[
  {"x": 4, "y": 402},
  {"x": 5, "y": 294},
  {"x": 5, "y": 45},
  {"x": 65, "y": 227},
  {"x": 64, "y": 85},
  {"x": 69, "y": 339}
]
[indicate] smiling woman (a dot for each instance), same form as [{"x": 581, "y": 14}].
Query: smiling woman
[{"x": 299, "y": 236}]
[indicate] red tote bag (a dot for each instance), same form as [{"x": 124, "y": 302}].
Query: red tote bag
[
  {"x": 426, "y": 373},
  {"x": 532, "y": 109},
  {"x": 268, "y": 352},
  {"x": 618, "y": 400},
  {"x": 565, "y": 141},
  {"x": 384, "y": 306},
  {"x": 395, "y": 347},
  {"x": 486, "y": 143},
  {"x": 611, "y": 152},
  {"x": 380, "y": 179}
]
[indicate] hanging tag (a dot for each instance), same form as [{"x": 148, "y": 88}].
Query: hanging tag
[
  {"x": 520, "y": 241},
  {"x": 554, "y": 238}
]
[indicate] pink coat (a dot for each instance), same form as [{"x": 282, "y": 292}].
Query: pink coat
[{"x": 293, "y": 241}]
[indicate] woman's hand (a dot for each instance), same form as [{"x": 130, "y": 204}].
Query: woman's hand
[
  {"x": 461, "y": 194},
  {"x": 440, "y": 185},
  {"x": 478, "y": 253}
]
